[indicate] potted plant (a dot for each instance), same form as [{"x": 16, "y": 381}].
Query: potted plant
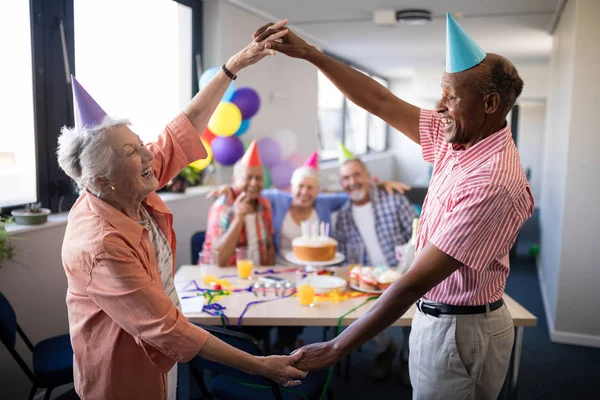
[
  {"x": 32, "y": 214},
  {"x": 6, "y": 249}
]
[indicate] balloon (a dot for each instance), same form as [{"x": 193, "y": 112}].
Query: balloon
[
  {"x": 270, "y": 152},
  {"x": 208, "y": 136},
  {"x": 226, "y": 119},
  {"x": 243, "y": 127},
  {"x": 281, "y": 174},
  {"x": 296, "y": 159},
  {"x": 267, "y": 178},
  {"x": 288, "y": 140},
  {"x": 227, "y": 150},
  {"x": 247, "y": 100},
  {"x": 208, "y": 75},
  {"x": 201, "y": 164}
]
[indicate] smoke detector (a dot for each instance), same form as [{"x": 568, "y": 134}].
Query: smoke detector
[{"x": 408, "y": 17}]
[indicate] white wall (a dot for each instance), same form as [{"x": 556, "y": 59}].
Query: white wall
[
  {"x": 530, "y": 142},
  {"x": 570, "y": 219},
  {"x": 287, "y": 86}
]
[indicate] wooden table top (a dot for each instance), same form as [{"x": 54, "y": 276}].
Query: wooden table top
[{"x": 287, "y": 311}]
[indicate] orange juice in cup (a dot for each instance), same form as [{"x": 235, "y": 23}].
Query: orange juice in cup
[
  {"x": 306, "y": 294},
  {"x": 244, "y": 268},
  {"x": 244, "y": 262}
]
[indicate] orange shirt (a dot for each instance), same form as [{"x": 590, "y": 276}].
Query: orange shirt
[{"x": 126, "y": 332}]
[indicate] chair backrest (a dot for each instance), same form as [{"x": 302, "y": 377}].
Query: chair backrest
[
  {"x": 197, "y": 243},
  {"x": 8, "y": 323},
  {"x": 238, "y": 340},
  {"x": 8, "y": 334}
]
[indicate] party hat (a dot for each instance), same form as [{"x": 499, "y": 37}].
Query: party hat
[
  {"x": 461, "y": 51},
  {"x": 251, "y": 157},
  {"x": 343, "y": 153},
  {"x": 87, "y": 111},
  {"x": 312, "y": 161}
]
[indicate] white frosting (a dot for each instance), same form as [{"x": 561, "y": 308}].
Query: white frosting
[
  {"x": 314, "y": 241},
  {"x": 389, "y": 276}
]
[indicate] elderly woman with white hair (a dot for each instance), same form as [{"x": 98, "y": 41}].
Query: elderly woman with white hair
[{"x": 126, "y": 325}]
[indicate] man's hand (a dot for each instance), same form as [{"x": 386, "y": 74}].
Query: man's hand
[
  {"x": 317, "y": 356},
  {"x": 257, "y": 49},
  {"x": 241, "y": 206},
  {"x": 393, "y": 186},
  {"x": 291, "y": 44}
]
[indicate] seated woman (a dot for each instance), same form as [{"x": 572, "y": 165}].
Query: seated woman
[{"x": 126, "y": 325}]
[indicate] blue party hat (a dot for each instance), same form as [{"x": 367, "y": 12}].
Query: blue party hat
[{"x": 461, "y": 51}]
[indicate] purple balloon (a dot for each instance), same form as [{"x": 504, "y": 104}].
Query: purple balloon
[
  {"x": 227, "y": 150},
  {"x": 247, "y": 101},
  {"x": 269, "y": 151},
  {"x": 281, "y": 174}
]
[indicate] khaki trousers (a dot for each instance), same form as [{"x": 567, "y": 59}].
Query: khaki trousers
[{"x": 462, "y": 357}]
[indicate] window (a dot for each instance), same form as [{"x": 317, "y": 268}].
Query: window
[
  {"x": 18, "y": 166},
  {"x": 340, "y": 119},
  {"x": 141, "y": 67},
  {"x": 331, "y": 117}
]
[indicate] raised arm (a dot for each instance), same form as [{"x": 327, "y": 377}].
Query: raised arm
[
  {"x": 356, "y": 86},
  {"x": 202, "y": 106}
]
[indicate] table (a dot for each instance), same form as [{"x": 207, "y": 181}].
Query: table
[{"x": 288, "y": 312}]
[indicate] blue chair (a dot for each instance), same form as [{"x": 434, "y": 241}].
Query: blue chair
[
  {"x": 197, "y": 243},
  {"x": 52, "y": 358},
  {"x": 233, "y": 384}
]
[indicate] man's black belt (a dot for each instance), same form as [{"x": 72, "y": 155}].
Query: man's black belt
[{"x": 437, "y": 309}]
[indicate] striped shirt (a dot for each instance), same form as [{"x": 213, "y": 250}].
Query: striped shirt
[{"x": 477, "y": 201}]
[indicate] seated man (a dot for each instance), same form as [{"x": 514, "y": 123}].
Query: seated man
[
  {"x": 377, "y": 221},
  {"x": 244, "y": 221}
]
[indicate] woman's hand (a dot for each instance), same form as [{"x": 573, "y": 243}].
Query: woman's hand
[
  {"x": 291, "y": 45},
  {"x": 393, "y": 186},
  {"x": 220, "y": 191},
  {"x": 257, "y": 49},
  {"x": 280, "y": 370}
]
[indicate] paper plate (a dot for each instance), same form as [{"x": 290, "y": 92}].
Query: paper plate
[
  {"x": 339, "y": 257},
  {"x": 326, "y": 283},
  {"x": 365, "y": 290}
]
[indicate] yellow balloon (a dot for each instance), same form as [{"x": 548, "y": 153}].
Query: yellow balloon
[
  {"x": 201, "y": 164},
  {"x": 226, "y": 119}
]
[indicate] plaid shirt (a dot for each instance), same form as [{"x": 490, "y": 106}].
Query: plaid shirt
[
  {"x": 393, "y": 221},
  {"x": 220, "y": 216}
]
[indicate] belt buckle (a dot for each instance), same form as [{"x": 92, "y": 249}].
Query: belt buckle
[{"x": 431, "y": 310}]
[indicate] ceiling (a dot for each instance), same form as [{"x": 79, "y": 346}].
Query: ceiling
[{"x": 517, "y": 29}]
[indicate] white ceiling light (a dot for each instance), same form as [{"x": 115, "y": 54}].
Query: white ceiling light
[{"x": 408, "y": 17}]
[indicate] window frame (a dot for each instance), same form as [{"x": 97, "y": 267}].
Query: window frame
[
  {"x": 53, "y": 108},
  {"x": 344, "y": 123}
]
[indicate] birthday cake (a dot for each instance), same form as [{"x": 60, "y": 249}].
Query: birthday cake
[
  {"x": 373, "y": 279},
  {"x": 314, "y": 248}
]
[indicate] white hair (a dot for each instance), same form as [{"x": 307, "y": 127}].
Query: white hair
[
  {"x": 303, "y": 172},
  {"x": 86, "y": 154}
]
